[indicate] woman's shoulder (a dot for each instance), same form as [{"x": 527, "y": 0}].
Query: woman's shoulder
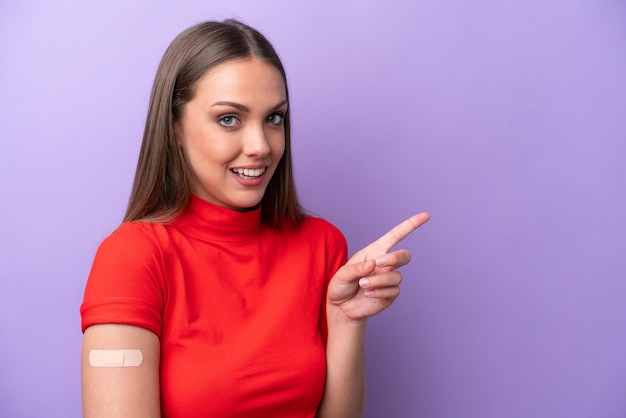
[
  {"x": 132, "y": 238},
  {"x": 327, "y": 240},
  {"x": 321, "y": 228},
  {"x": 315, "y": 223},
  {"x": 132, "y": 231}
]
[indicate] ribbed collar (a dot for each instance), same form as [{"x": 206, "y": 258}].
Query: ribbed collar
[{"x": 216, "y": 223}]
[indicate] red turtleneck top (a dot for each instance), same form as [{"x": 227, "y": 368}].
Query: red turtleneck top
[{"x": 238, "y": 307}]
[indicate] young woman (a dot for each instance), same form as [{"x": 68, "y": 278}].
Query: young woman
[{"x": 218, "y": 296}]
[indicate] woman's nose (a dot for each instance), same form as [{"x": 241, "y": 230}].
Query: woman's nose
[{"x": 255, "y": 142}]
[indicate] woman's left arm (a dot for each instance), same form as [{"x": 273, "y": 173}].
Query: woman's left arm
[{"x": 365, "y": 286}]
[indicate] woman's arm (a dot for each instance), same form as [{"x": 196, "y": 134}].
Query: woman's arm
[
  {"x": 365, "y": 286},
  {"x": 111, "y": 389},
  {"x": 344, "y": 391}
]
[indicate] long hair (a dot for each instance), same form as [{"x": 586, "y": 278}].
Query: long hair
[{"x": 162, "y": 185}]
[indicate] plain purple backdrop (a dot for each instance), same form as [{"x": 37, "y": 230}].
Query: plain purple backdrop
[{"x": 505, "y": 119}]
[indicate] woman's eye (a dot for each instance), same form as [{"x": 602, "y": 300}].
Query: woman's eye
[
  {"x": 228, "y": 121},
  {"x": 275, "y": 118}
]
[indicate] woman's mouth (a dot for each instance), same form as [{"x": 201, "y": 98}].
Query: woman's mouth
[{"x": 248, "y": 173}]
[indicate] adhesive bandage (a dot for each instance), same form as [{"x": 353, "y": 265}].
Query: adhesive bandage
[{"x": 115, "y": 358}]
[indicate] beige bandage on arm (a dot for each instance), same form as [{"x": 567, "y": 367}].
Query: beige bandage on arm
[{"x": 115, "y": 358}]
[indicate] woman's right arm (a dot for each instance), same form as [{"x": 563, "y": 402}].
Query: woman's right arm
[{"x": 114, "y": 391}]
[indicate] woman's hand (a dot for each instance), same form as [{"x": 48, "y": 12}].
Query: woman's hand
[{"x": 369, "y": 282}]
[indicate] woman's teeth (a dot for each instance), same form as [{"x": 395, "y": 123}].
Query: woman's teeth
[{"x": 248, "y": 172}]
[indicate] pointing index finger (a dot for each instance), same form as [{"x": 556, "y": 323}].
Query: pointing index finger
[{"x": 401, "y": 231}]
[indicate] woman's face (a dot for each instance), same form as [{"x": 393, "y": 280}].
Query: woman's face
[{"x": 232, "y": 132}]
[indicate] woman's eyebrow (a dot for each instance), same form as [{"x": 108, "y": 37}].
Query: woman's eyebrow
[
  {"x": 237, "y": 106},
  {"x": 243, "y": 108},
  {"x": 279, "y": 105}
]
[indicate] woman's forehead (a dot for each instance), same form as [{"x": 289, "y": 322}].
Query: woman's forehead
[{"x": 242, "y": 80}]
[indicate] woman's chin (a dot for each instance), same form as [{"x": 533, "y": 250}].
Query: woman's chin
[{"x": 244, "y": 204}]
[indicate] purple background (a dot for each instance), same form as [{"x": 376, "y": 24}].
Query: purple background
[{"x": 505, "y": 119}]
